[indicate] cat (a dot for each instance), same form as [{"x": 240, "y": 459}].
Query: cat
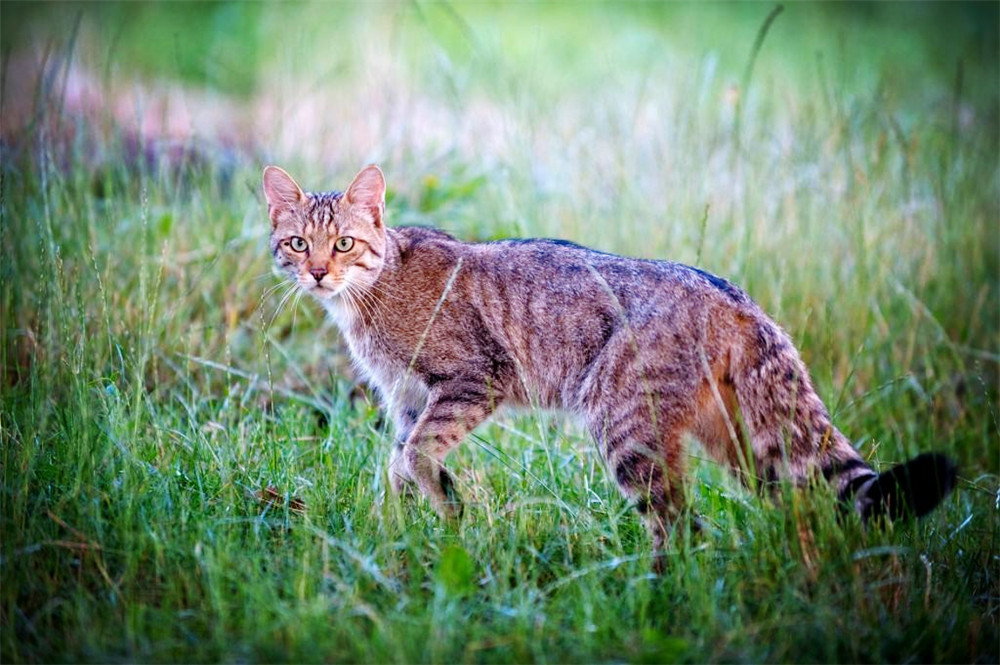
[{"x": 644, "y": 352}]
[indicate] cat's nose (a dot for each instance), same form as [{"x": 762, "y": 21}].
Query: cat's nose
[{"x": 318, "y": 273}]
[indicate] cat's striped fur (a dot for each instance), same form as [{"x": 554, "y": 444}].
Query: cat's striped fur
[{"x": 645, "y": 352}]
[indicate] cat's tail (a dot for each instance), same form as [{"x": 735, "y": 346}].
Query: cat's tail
[
  {"x": 913, "y": 488},
  {"x": 791, "y": 434}
]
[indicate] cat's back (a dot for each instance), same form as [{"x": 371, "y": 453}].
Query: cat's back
[
  {"x": 558, "y": 279},
  {"x": 635, "y": 288},
  {"x": 565, "y": 310}
]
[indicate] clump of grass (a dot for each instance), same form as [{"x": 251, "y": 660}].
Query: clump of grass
[{"x": 189, "y": 472}]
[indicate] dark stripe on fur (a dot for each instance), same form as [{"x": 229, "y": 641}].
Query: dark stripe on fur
[
  {"x": 624, "y": 433},
  {"x": 838, "y": 467},
  {"x": 635, "y": 468},
  {"x": 466, "y": 396},
  {"x": 847, "y": 492},
  {"x": 725, "y": 286}
]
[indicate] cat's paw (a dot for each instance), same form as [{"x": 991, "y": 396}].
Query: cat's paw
[
  {"x": 452, "y": 507},
  {"x": 400, "y": 480},
  {"x": 402, "y": 487}
]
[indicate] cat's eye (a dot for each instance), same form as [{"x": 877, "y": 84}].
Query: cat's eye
[
  {"x": 297, "y": 244},
  {"x": 344, "y": 244}
]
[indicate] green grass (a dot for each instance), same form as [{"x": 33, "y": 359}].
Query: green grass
[{"x": 152, "y": 384}]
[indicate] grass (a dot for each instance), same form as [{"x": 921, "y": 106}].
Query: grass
[{"x": 154, "y": 387}]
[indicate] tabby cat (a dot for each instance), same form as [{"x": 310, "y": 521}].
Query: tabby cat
[{"x": 644, "y": 352}]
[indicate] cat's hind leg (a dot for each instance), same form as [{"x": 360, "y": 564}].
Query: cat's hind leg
[
  {"x": 454, "y": 408},
  {"x": 767, "y": 399},
  {"x": 645, "y": 455},
  {"x": 790, "y": 432}
]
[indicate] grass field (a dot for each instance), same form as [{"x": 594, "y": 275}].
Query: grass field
[{"x": 190, "y": 472}]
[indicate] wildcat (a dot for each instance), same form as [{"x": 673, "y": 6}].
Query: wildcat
[{"x": 644, "y": 352}]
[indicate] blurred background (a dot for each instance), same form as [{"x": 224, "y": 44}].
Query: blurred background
[
  {"x": 635, "y": 108},
  {"x": 624, "y": 104}
]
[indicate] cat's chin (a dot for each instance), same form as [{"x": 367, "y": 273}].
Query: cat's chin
[{"x": 324, "y": 292}]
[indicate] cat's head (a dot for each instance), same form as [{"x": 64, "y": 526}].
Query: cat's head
[{"x": 327, "y": 242}]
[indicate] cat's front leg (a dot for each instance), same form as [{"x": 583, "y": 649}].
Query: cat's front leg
[
  {"x": 454, "y": 408},
  {"x": 404, "y": 410},
  {"x": 399, "y": 477}
]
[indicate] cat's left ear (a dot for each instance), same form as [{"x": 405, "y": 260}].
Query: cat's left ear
[{"x": 367, "y": 191}]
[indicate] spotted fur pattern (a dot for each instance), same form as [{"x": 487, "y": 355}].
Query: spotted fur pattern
[{"x": 646, "y": 353}]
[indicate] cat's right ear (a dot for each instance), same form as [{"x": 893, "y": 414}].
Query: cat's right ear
[{"x": 281, "y": 191}]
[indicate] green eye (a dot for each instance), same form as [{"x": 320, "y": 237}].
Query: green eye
[
  {"x": 297, "y": 244},
  {"x": 344, "y": 244}
]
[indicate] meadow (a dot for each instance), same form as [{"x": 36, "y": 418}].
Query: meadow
[{"x": 192, "y": 472}]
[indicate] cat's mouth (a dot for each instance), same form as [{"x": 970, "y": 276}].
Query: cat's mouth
[{"x": 325, "y": 291}]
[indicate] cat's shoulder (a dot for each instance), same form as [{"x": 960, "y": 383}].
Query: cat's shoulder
[
  {"x": 416, "y": 234},
  {"x": 411, "y": 237},
  {"x": 426, "y": 242}
]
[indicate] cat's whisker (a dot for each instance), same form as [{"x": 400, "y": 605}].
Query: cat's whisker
[
  {"x": 271, "y": 290},
  {"x": 261, "y": 303},
  {"x": 284, "y": 299},
  {"x": 277, "y": 310},
  {"x": 295, "y": 307},
  {"x": 378, "y": 292},
  {"x": 345, "y": 297},
  {"x": 357, "y": 296},
  {"x": 351, "y": 296},
  {"x": 353, "y": 304},
  {"x": 383, "y": 292},
  {"x": 366, "y": 301},
  {"x": 292, "y": 287},
  {"x": 372, "y": 309}
]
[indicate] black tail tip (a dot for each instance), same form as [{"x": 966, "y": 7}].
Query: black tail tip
[{"x": 913, "y": 488}]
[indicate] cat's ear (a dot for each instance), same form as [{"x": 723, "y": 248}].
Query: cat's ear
[
  {"x": 367, "y": 191},
  {"x": 281, "y": 191}
]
